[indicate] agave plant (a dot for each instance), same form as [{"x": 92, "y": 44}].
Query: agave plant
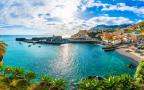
[
  {"x": 89, "y": 84},
  {"x": 125, "y": 82},
  {"x": 30, "y": 75},
  {"x": 58, "y": 84},
  {"x": 2, "y": 50},
  {"x": 111, "y": 82}
]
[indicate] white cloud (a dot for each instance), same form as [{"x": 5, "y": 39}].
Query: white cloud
[
  {"x": 138, "y": 0},
  {"x": 124, "y": 7},
  {"x": 54, "y": 16},
  {"x": 117, "y": 7}
]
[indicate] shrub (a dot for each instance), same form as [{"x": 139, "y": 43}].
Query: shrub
[{"x": 139, "y": 75}]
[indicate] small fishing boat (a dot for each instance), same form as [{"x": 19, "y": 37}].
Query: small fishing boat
[
  {"x": 109, "y": 48},
  {"x": 29, "y": 45},
  {"x": 20, "y": 43},
  {"x": 130, "y": 66}
]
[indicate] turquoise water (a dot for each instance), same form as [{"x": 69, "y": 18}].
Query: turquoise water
[{"x": 69, "y": 61}]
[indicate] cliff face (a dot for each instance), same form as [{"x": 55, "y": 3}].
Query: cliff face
[{"x": 81, "y": 33}]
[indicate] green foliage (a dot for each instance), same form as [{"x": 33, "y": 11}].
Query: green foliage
[
  {"x": 52, "y": 83},
  {"x": 30, "y": 75},
  {"x": 18, "y": 72},
  {"x": 2, "y": 49},
  {"x": 1, "y": 67},
  {"x": 89, "y": 84},
  {"x": 139, "y": 75},
  {"x": 59, "y": 84},
  {"x": 129, "y": 31},
  {"x": 46, "y": 79},
  {"x": 8, "y": 70},
  {"x": 123, "y": 82},
  {"x": 119, "y": 82}
]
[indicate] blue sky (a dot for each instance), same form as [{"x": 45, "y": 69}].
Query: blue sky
[{"x": 65, "y": 17}]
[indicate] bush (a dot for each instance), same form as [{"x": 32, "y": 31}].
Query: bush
[
  {"x": 139, "y": 75},
  {"x": 123, "y": 82}
]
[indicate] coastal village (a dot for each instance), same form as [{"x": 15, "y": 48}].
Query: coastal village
[{"x": 128, "y": 41}]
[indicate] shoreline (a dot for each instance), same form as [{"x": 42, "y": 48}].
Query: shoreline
[{"x": 134, "y": 58}]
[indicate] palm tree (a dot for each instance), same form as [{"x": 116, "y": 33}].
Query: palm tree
[
  {"x": 2, "y": 50},
  {"x": 30, "y": 75},
  {"x": 18, "y": 73},
  {"x": 46, "y": 82}
]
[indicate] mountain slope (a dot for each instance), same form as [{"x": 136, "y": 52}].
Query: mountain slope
[{"x": 106, "y": 27}]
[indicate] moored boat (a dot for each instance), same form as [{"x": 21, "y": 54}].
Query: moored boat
[{"x": 109, "y": 48}]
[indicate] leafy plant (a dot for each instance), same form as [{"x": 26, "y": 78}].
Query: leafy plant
[
  {"x": 30, "y": 75},
  {"x": 18, "y": 72},
  {"x": 58, "y": 84},
  {"x": 2, "y": 50},
  {"x": 89, "y": 84},
  {"x": 139, "y": 75}
]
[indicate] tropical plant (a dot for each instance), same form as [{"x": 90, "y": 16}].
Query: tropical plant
[
  {"x": 126, "y": 82},
  {"x": 91, "y": 84},
  {"x": 119, "y": 82},
  {"x": 111, "y": 82},
  {"x": 8, "y": 70},
  {"x": 2, "y": 50},
  {"x": 139, "y": 75},
  {"x": 58, "y": 84},
  {"x": 30, "y": 75},
  {"x": 123, "y": 82},
  {"x": 18, "y": 72},
  {"x": 1, "y": 67}
]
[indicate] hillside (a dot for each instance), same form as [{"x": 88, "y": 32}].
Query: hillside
[
  {"x": 108, "y": 27},
  {"x": 139, "y": 26}
]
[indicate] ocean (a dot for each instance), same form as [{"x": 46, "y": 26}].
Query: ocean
[{"x": 69, "y": 61}]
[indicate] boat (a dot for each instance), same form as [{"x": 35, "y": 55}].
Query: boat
[
  {"x": 29, "y": 45},
  {"x": 130, "y": 66},
  {"x": 109, "y": 48},
  {"x": 20, "y": 43}
]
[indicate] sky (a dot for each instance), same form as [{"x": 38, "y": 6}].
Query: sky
[{"x": 65, "y": 17}]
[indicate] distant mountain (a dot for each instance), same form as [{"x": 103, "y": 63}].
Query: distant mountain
[{"x": 105, "y": 27}]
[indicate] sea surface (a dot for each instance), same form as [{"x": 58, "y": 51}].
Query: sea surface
[{"x": 69, "y": 61}]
